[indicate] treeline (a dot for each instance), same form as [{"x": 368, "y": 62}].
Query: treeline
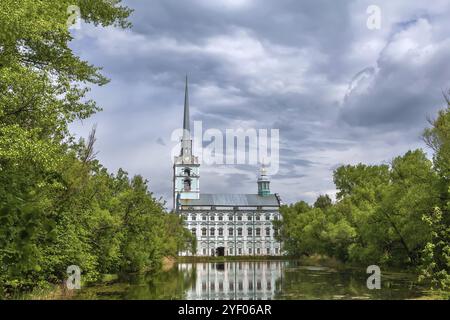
[
  {"x": 393, "y": 214},
  {"x": 58, "y": 205}
]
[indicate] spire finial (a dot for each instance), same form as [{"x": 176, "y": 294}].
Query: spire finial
[{"x": 262, "y": 169}]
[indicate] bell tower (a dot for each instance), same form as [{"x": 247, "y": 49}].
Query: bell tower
[{"x": 186, "y": 167}]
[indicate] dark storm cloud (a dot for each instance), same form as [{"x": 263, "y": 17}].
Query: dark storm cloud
[{"x": 338, "y": 92}]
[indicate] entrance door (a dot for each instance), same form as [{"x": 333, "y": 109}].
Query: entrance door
[{"x": 220, "y": 251}]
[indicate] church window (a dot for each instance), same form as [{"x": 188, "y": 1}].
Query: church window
[
  {"x": 187, "y": 185},
  {"x": 239, "y": 231},
  {"x": 187, "y": 172},
  {"x": 230, "y": 231},
  {"x": 249, "y": 231},
  {"x": 220, "y": 232},
  {"x": 203, "y": 231},
  {"x": 258, "y": 232},
  {"x": 212, "y": 231}
]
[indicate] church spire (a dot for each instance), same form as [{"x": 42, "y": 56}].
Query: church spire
[
  {"x": 186, "y": 142},
  {"x": 186, "y": 119}
]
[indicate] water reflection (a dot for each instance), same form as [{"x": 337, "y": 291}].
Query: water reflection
[
  {"x": 286, "y": 279},
  {"x": 234, "y": 280}
]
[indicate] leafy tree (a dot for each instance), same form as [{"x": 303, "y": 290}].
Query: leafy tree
[
  {"x": 323, "y": 202},
  {"x": 58, "y": 205}
]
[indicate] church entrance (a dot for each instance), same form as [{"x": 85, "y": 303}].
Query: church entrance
[{"x": 220, "y": 251}]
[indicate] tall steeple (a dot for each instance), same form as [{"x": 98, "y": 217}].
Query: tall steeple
[
  {"x": 186, "y": 142},
  {"x": 186, "y": 184},
  {"x": 186, "y": 125}
]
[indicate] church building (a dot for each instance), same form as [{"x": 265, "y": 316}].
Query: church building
[{"x": 224, "y": 224}]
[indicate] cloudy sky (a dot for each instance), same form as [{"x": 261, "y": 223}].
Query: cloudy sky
[{"x": 339, "y": 92}]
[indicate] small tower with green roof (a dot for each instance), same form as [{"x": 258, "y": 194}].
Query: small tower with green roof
[{"x": 263, "y": 182}]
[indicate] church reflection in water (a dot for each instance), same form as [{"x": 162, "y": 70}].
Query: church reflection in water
[{"x": 234, "y": 280}]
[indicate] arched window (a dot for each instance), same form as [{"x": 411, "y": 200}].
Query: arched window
[
  {"x": 187, "y": 185},
  {"x": 239, "y": 217},
  {"x": 249, "y": 231},
  {"x": 211, "y": 218},
  {"x": 204, "y": 217},
  {"x": 249, "y": 217},
  {"x": 257, "y": 217},
  {"x": 220, "y": 217},
  {"x": 194, "y": 231},
  {"x": 230, "y": 217},
  {"x": 239, "y": 230},
  {"x": 187, "y": 172},
  {"x": 258, "y": 232},
  {"x": 204, "y": 232},
  {"x": 230, "y": 231},
  {"x": 212, "y": 231},
  {"x": 267, "y": 217},
  {"x": 220, "y": 232},
  {"x": 267, "y": 231}
]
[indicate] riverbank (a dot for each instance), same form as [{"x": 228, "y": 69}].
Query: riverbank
[
  {"x": 195, "y": 259},
  {"x": 315, "y": 260}
]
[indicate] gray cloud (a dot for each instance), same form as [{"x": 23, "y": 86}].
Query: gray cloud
[{"x": 338, "y": 92}]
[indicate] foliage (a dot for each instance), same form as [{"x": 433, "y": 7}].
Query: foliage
[
  {"x": 390, "y": 214},
  {"x": 58, "y": 205}
]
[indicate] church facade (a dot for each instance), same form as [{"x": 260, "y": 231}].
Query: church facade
[{"x": 224, "y": 224}]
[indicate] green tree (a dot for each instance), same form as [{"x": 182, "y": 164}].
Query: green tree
[{"x": 323, "y": 202}]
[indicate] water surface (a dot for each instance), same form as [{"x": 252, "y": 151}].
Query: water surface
[{"x": 255, "y": 280}]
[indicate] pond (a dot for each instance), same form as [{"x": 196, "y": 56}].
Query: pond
[{"x": 255, "y": 280}]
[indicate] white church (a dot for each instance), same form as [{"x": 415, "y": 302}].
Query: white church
[{"x": 224, "y": 224}]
